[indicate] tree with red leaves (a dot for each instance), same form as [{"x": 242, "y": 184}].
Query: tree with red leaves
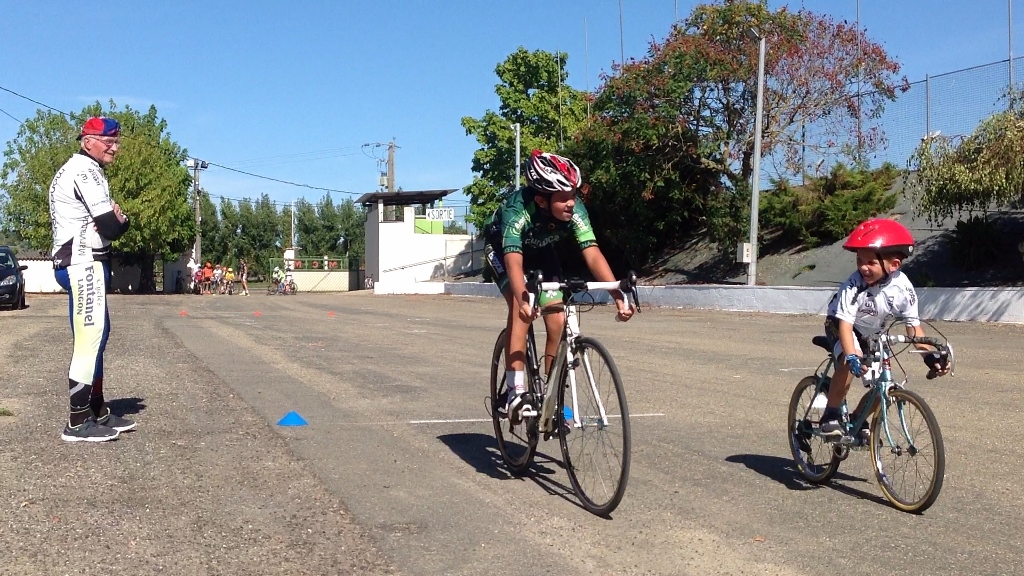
[{"x": 670, "y": 146}]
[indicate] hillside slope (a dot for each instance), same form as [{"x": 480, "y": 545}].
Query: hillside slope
[{"x": 702, "y": 262}]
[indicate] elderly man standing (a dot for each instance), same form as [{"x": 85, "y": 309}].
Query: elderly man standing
[{"x": 85, "y": 221}]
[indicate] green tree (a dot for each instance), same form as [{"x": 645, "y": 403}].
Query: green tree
[
  {"x": 533, "y": 93},
  {"x": 826, "y": 208},
  {"x": 148, "y": 180},
  {"x": 209, "y": 226},
  {"x": 669, "y": 149},
  {"x": 955, "y": 175}
]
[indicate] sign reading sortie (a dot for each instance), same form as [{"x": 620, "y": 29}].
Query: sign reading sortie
[{"x": 445, "y": 214}]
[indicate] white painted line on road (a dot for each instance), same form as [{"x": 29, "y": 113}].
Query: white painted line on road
[
  {"x": 457, "y": 420},
  {"x": 452, "y": 421},
  {"x": 802, "y": 368}
]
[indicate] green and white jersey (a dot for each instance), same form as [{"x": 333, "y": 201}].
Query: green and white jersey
[{"x": 524, "y": 225}]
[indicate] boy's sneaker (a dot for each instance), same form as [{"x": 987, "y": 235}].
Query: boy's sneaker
[
  {"x": 111, "y": 420},
  {"x": 519, "y": 406},
  {"x": 88, "y": 431},
  {"x": 832, "y": 424}
]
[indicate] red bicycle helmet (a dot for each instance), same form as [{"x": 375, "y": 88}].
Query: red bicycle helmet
[{"x": 882, "y": 235}]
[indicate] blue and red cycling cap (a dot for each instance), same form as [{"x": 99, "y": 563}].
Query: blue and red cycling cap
[{"x": 100, "y": 126}]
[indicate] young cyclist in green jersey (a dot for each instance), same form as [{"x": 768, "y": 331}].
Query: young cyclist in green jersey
[{"x": 526, "y": 233}]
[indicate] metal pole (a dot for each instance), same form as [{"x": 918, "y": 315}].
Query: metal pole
[
  {"x": 1009, "y": 30},
  {"x": 755, "y": 186},
  {"x": 586, "y": 63},
  {"x": 860, "y": 134},
  {"x": 516, "y": 186},
  {"x": 390, "y": 166},
  {"x": 622, "y": 46},
  {"x": 927, "y": 106},
  {"x": 198, "y": 213}
]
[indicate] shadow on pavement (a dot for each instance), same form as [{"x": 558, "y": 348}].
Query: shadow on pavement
[
  {"x": 126, "y": 406},
  {"x": 783, "y": 471},
  {"x": 481, "y": 452}
]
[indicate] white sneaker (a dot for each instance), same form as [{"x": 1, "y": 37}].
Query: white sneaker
[{"x": 520, "y": 406}]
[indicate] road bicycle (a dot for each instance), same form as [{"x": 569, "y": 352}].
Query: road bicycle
[
  {"x": 904, "y": 437},
  {"x": 582, "y": 401}
]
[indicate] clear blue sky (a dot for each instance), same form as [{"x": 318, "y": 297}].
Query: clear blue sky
[{"x": 291, "y": 90}]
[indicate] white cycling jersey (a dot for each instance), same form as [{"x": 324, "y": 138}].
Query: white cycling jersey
[
  {"x": 868, "y": 308},
  {"x": 78, "y": 194}
]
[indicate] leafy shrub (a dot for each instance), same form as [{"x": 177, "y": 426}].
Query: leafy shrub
[{"x": 827, "y": 208}]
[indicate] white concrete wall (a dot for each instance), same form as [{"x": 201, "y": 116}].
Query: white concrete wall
[
  {"x": 39, "y": 277},
  {"x": 956, "y": 304},
  {"x": 403, "y": 256},
  {"x": 329, "y": 281}
]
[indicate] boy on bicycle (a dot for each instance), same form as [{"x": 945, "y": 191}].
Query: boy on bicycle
[
  {"x": 522, "y": 235},
  {"x": 861, "y": 308}
]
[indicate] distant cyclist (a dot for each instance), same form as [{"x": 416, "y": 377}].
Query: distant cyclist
[
  {"x": 529, "y": 231},
  {"x": 277, "y": 278},
  {"x": 84, "y": 221}
]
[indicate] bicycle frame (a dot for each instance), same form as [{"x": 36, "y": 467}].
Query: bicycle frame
[
  {"x": 566, "y": 350},
  {"x": 879, "y": 378},
  {"x": 561, "y": 370}
]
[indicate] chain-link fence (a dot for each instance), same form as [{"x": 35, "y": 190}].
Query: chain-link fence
[
  {"x": 950, "y": 104},
  {"x": 953, "y": 104}
]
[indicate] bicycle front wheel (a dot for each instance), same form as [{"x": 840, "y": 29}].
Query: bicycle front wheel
[
  {"x": 517, "y": 443},
  {"x": 906, "y": 446},
  {"x": 815, "y": 458},
  {"x": 594, "y": 428}
]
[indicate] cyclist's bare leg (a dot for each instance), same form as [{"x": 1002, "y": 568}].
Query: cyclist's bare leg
[
  {"x": 840, "y": 385},
  {"x": 515, "y": 344},
  {"x": 554, "y": 323}
]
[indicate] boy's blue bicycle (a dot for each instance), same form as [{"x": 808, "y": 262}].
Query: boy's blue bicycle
[{"x": 905, "y": 441}]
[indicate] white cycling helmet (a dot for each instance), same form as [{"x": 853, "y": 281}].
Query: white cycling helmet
[
  {"x": 277, "y": 268},
  {"x": 549, "y": 173}
]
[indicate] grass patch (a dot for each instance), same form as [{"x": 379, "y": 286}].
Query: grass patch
[{"x": 5, "y": 412}]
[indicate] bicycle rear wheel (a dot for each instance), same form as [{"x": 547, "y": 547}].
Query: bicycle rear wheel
[
  {"x": 517, "y": 443},
  {"x": 906, "y": 446},
  {"x": 815, "y": 458},
  {"x": 594, "y": 434}
]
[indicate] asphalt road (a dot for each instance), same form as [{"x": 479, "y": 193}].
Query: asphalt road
[{"x": 209, "y": 484}]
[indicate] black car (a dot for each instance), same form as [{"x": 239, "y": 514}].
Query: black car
[{"x": 12, "y": 281}]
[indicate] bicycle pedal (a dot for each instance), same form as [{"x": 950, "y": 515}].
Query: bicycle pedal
[{"x": 846, "y": 441}]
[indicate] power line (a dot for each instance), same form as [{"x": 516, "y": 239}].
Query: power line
[
  {"x": 297, "y": 184},
  {"x": 282, "y": 181},
  {"x": 34, "y": 101},
  {"x": 11, "y": 117}
]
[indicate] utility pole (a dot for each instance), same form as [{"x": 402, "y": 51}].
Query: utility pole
[
  {"x": 391, "y": 166},
  {"x": 196, "y": 165},
  {"x": 293, "y": 224}
]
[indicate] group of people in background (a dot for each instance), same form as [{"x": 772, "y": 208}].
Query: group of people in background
[{"x": 218, "y": 279}]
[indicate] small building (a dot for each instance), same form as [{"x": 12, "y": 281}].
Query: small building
[{"x": 406, "y": 243}]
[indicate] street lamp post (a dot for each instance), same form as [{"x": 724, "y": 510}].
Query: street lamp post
[
  {"x": 756, "y": 183},
  {"x": 516, "y": 185}
]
